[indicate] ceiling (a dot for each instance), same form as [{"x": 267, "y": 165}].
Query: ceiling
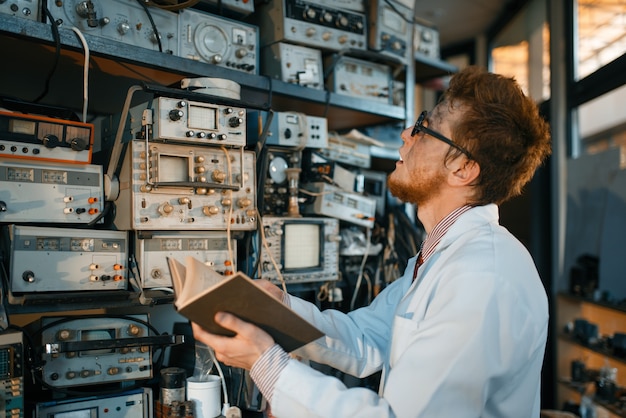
[{"x": 460, "y": 21}]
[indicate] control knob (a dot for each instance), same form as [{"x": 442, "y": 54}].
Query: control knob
[
  {"x": 176, "y": 114},
  {"x": 50, "y": 141},
  {"x": 235, "y": 122},
  {"x": 309, "y": 13},
  {"x": 244, "y": 202},
  {"x": 123, "y": 28},
  {"x": 218, "y": 176},
  {"x": 79, "y": 144}
]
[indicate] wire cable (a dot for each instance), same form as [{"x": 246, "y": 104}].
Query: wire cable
[
  {"x": 362, "y": 268},
  {"x": 157, "y": 35},
  {"x": 57, "y": 53},
  {"x": 83, "y": 41}
]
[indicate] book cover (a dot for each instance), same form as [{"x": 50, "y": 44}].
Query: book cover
[{"x": 201, "y": 292}]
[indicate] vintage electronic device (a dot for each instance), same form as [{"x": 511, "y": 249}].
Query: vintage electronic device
[
  {"x": 120, "y": 20},
  {"x": 311, "y": 24},
  {"x": 33, "y": 191},
  {"x": 390, "y": 28},
  {"x": 84, "y": 350},
  {"x": 280, "y": 171},
  {"x": 210, "y": 247},
  {"x": 425, "y": 40},
  {"x": 317, "y": 132},
  {"x": 373, "y": 184},
  {"x": 337, "y": 203},
  {"x": 316, "y": 168},
  {"x": 22, "y": 8},
  {"x": 294, "y": 129},
  {"x": 35, "y": 137},
  {"x": 12, "y": 374},
  {"x": 137, "y": 403},
  {"x": 66, "y": 259},
  {"x": 359, "y": 78},
  {"x": 294, "y": 64},
  {"x": 239, "y": 7},
  {"x": 190, "y": 122},
  {"x": 354, "y": 5},
  {"x": 304, "y": 249},
  {"x": 184, "y": 187},
  {"x": 347, "y": 151},
  {"x": 218, "y": 40}
]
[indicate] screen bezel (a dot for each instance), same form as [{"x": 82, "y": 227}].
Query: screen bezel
[{"x": 320, "y": 262}]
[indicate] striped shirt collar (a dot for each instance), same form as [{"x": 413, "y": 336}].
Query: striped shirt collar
[{"x": 435, "y": 236}]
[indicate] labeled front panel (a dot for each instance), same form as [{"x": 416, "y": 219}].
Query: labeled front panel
[
  {"x": 66, "y": 259},
  {"x": 95, "y": 365},
  {"x": 55, "y": 193},
  {"x": 181, "y": 187},
  {"x": 210, "y": 247}
]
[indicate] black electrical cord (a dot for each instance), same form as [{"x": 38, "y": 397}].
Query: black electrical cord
[
  {"x": 154, "y": 28},
  {"x": 393, "y": 7},
  {"x": 57, "y": 53}
]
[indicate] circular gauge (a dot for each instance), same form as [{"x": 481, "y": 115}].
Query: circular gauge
[
  {"x": 211, "y": 42},
  {"x": 278, "y": 167}
]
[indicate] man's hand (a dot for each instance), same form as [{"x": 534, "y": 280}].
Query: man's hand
[
  {"x": 270, "y": 288},
  {"x": 242, "y": 350}
]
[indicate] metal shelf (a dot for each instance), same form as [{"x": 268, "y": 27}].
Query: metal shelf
[
  {"x": 117, "y": 66},
  {"x": 428, "y": 68}
]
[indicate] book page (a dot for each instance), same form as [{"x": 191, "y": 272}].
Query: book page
[{"x": 192, "y": 280}]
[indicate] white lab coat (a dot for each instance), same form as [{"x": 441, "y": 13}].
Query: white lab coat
[{"x": 466, "y": 339}]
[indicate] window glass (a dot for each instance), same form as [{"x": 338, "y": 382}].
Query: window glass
[
  {"x": 602, "y": 123},
  {"x": 521, "y": 50},
  {"x": 600, "y": 34}
]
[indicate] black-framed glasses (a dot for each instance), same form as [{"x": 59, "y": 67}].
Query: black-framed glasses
[{"x": 419, "y": 127}]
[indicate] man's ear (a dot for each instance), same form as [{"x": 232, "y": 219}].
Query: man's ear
[{"x": 465, "y": 172}]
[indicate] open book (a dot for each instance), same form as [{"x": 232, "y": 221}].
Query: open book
[{"x": 200, "y": 292}]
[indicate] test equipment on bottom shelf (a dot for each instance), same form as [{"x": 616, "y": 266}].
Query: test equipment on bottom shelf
[
  {"x": 83, "y": 350},
  {"x": 136, "y": 403},
  {"x": 11, "y": 374}
]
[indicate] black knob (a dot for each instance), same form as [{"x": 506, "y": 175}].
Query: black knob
[
  {"x": 50, "y": 141},
  {"x": 287, "y": 133},
  {"x": 79, "y": 144},
  {"x": 3, "y": 206},
  {"x": 234, "y": 122},
  {"x": 176, "y": 114}
]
